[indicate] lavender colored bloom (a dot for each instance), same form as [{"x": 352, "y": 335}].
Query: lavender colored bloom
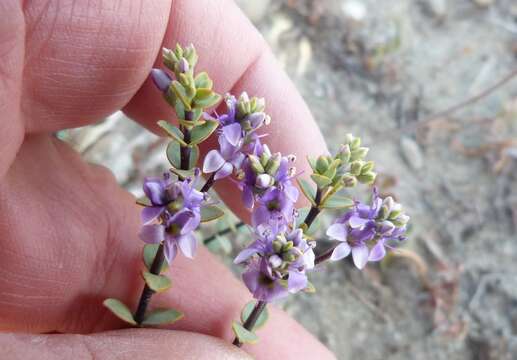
[
  {"x": 276, "y": 204},
  {"x": 229, "y": 157},
  {"x": 277, "y": 262},
  {"x": 161, "y": 79},
  {"x": 365, "y": 229},
  {"x": 176, "y": 204}
]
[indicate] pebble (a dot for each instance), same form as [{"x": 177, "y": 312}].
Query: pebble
[
  {"x": 354, "y": 10},
  {"x": 437, "y": 8},
  {"x": 412, "y": 153}
]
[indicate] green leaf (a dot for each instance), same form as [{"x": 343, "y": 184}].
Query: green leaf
[
  {"x": 262, "y": 319},
  {"x": 307, "y": 190},
  {"x": 149, "y": 253},
  {"x": 172, "y": 131},
  {"x": 208, "y": 101},
  {"x": 321, "y": 180},
  {"x": 157, "y": 283},
  {"x": 120, "y": 310},
  {"x": 201, "y": 132},
  {"x": 194, "y": 156},
  {"x": 202, "y": 80},
  {"x": 337, "y": 202},
  {"x": 143, "y": 201},
  {"x": 174, "y": 154},
  {"x": 211, "y": 212},
  {"x": 245, "y": 336},
  {"x": 162, "y": 317},
  {"x": 181, "y": 94},
  {"x": 182, "y": 174}
]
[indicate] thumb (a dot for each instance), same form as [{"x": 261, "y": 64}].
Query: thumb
[{"x": 123, "y": 344}]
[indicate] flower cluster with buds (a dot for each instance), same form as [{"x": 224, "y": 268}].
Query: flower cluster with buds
[{"x": 282, "y": 253}]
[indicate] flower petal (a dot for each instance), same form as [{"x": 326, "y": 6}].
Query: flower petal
[
  {"x": 150, "y": 213},
  {"x": 169, "y": 250},
  {"x": 356, "y": 221},
  {"x": 232, "y": 133},
  {"x": 378, "y": 252},
  {"x": 360, "y": 256},
  {"x": 341, "y": 251},
  {"x": 245, "y": 254},
  {"x": 247, "y": 197},
  {"x": 337, "y": 231},
  {"x": 224, "y": 171},
  {"x": 188, "y": 244},
  {"x": 213, "y": 162},
  {"x": 297, "y": 281},
  {"x": 152, "y": 234}
]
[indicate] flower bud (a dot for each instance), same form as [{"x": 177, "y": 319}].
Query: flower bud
[
  {"x": 287, "y": 246},
  {"x": 275, "y": 261},
  {"x": 355, "y": 168},
  {"x": 401, "y": 220},
  {"x": 322, "y": 164},
  {"x": 277, "y": 246},
  {"x": 255, "y": 164},
  {"x": 161, "y": 79},
  {"x": 367, "y": 178},
  {"x": 355, "y": 143},
  {"x": 349, "y": 181},
  {"x": 183, "y": 65},
  {"x": 359, "y": 153},
  {"x": 256, "y": 119},
  {"x": 264, "y": 181},
  {"x": 273, "y": 164},
  {"x": 344, "y": 154},
  {"x": 368, "y": 167}
]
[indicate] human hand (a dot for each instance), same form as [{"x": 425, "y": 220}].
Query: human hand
[{"x": 69, "y": 233}]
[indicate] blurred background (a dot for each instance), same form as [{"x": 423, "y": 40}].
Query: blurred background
[{"x": 431, "y": 87}]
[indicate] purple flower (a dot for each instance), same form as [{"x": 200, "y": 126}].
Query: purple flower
[
  {"x": 176, "y": 204},
  {"x": 365, "y": 229},
  {"x": 277, "y": 262},
  {"x": 276, "y": 204},
  {"x": 161, "y": 79},
  {"x": 229, "y": 156}
]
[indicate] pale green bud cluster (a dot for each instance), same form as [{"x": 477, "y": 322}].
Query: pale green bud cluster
[
  {"x": 190, "y": 94},
  {"x": 393, "y": 212}
]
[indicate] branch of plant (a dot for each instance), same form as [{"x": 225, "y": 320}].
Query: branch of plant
[{"x": 250, "y": 322}]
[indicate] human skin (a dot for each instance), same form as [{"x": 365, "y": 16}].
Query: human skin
[{"x": 68, "y": 231}]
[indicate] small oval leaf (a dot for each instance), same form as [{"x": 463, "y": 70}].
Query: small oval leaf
[
  {"x": 201, "y": 132},
  {"x": 210, "y": 212},
  {"x": 321, "y": 180},
  {"x": 202, "y": 80},
  {"x": 310, "y": 289},
  {"x": 157, "y": 283},
  {"x": 262, "y": 319},
  {"x": 208, "y": 101},
  {"x": 337, "y": 202},
  {"x": 120, "y": 310},
  {"x": 172, "y": 131},
  {"x": 174, "y": 154},
  {"x": 245, "y": 336},
  {"x": 194, "y": 156},
  {"x": 149, "y": 254},
  {"x": 162, "y": 317},
  {"x": 307, "y": 190},
  {"x": 182, "y": 174}
]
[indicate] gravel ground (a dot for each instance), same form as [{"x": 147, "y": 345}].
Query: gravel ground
[{"x": 393, "y": 72}]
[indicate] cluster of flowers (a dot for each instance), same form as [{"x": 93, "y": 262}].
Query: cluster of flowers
[{"x": 282, "y": 252}]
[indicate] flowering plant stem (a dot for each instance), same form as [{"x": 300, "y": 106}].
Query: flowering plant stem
[
  {"x": 209, "y": 183},
  {"x": 314, "y": 211},
  {"x": 147, "y": 292},
  {"x": 325, "y": 256},
  {"x": 249, "y": 324},
  {"x": 185, "y": 150},
  {"x": 157, "y": 264}
]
